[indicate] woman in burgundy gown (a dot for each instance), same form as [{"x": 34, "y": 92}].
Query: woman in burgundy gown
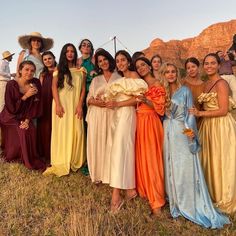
[
  {"x": 44, "y": 125},
  {"x": 22, "y": 104}
]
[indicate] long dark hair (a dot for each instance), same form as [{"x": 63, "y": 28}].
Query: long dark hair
[
  {"x": 63, "y": 68},
  {"x": 108, "y": 56},
  {"x": 129, "y": 59}
]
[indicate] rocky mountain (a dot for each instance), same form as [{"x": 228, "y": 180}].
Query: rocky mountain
[{"x": 215, "y": 37}]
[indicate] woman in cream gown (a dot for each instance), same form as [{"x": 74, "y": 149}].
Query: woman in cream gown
[
  {"x": 217, "y": 134},
  {"x": 99, "y": 119},
  {"x": 68, "y": 141},
  {"x": 121, "y": 94}
]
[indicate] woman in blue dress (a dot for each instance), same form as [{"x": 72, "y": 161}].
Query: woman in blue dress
[{"x": 185, "y": 184}]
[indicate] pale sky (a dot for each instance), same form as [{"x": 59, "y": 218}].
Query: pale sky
[{"x": 135, "y": 23}]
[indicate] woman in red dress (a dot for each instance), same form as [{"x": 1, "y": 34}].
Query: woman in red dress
[
  {"x": 44, "y": 125},
  {"x": 22, "y": 104}
]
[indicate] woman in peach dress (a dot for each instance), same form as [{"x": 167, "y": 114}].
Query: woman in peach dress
[{"x": 149, "y": 139}]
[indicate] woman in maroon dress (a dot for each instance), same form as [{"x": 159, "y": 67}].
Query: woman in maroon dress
[
  {"x": 44, "y": 125},
  {"x": 22, "y": 104}
]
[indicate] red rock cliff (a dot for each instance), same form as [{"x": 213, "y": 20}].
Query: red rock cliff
[{"x": 215, "y": 37}]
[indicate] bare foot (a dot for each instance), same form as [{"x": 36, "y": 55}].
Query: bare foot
[{"x": 157, "y": 212}]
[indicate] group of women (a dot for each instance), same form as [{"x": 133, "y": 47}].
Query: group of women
[{"x": 142, "y": 136}]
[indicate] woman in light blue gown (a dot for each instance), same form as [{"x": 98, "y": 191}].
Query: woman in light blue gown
[{"x": 184, "y": 180}]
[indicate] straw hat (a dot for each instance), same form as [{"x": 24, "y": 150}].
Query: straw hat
[
  {"x": 24, "y": 41},
  {"x": 7, "y": 54}
]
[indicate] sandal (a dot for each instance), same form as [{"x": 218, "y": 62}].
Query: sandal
[
  {"x": 128, "y": 198},
  {"x": 115, "y": 207}
]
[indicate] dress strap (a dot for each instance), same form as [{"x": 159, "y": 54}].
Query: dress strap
[{"x": 213, "y": 85}]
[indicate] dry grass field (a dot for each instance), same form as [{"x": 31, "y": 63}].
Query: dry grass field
[{"x": 31, "y": 204}]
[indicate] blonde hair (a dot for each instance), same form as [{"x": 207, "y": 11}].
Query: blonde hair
[{"x": 162, "y": 71}]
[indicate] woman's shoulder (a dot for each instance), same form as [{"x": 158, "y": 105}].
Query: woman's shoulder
[
  {"x": 116, "y": 75},
  {"x": 186, "y": 90},
  {"x": 55, "y": 72},
  {"x": 12, "y": 82},
  {"x": 12, "y": 85},
  {"x": 36, "y": 81},
  {"x": 78, "y": 70},
  {"x": 221, "y": 82},
  {"x": 134, "y": 75}
]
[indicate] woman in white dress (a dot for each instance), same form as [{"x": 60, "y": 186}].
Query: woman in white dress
[
  {"x": 99, "y": 119},
  {"x": 121, "y": 95}
]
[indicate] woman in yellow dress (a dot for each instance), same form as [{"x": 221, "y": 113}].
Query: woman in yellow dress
[
  {"x": 68, "y": 141},
  {"x": 217, "y": 134}
]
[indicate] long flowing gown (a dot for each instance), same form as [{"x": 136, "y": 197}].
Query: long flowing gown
[
  {"x": 123, "y": 127},
  {"x": 148, "y": 148},
  {"x": 98, "y": 132},
  {"x": 185, "y": 184},
  {"x": 218, "y": 155},
  {"x": 20, "y": 144},
  {"x": 67, "y": 139},
  {"x": 44, "y": 125}
]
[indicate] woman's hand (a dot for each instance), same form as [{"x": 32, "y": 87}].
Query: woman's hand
[
  {"x": 189, "y": 133},
  {"x": 30, "y": 92},
  {"x": 60, "y": 111},
  {"x": 111, "y": 104},
  {"x": 93, "y": 73},
  {"x": 24, "y": 124},
  {"x": 141, "y": 98},
  {"x": 194, "y": 111},
  {"x": 79, "y": 112},
  {"x": 99, "y": 102}
]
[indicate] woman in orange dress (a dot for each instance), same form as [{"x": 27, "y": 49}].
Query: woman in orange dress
[{"x": 149, "y": 139}]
